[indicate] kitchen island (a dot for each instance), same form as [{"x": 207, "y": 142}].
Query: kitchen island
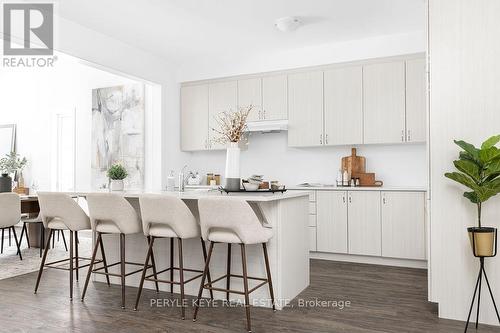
[{"x": 286, "y": 213}]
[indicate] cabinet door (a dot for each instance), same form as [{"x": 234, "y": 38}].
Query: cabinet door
[
  {"x": 275, "y": 97},
  {"x": 194, "y": 117},
  {"x": 403, "y": 225},
  {"x": 344, "y": 106},
  {"x": 364, "y": 223},
  {"x": 384, "y": 102},
  {"x": 305, "y": 109},
  {"x": 222, "y": 96},
  {"x": 250, "y": 93},
  {"x": 415, "y": 100},
  {"x": 331, "y": 221}
]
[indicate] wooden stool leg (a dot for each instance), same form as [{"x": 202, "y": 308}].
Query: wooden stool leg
[
  {"x": 1, "y": 251},
  {"x": 42, "y": 238},
  {"x": 122, "y": 267},
  {"x": 64, "y": 241},
  {"x": 98, "y": 243},
  {"x": 153, "y": 263},
  {"x": 42, "y": 264},
  {"x": 181, "y": 278},
  {"x": 103, "y": 255},
  {"x": 144, "y": 270},
  {"x": 27, "y": 237},
  {"x": 228, "y": 271},
  {"x": 18, "y": 244},
  {"x": 204, "y": 249},
  {"x": 245, "y": 286},
  {"x": 71, "y": 265},
  {"x": 205, "y": 272},
  {"x": 171, "y": 264},
  {"x": 76, "y": 253},
  {"x": 268, "y": 271},
  {"x": 10, "y": 243}
]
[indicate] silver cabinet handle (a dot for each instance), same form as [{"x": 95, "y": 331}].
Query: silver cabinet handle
[
  {"x": 343, "y": 198},
  {"x": 326, "y": 138},
  {"x": 321, "y": 139},
  {"x": 350, "y": 200},
  {"x": 402, "y": 135},
  {"x": 260, "y": 115},
  {"x": 409, "y": 135},
  {"x": 383, "y": 200},
  {"x": 264, "y": 112}
]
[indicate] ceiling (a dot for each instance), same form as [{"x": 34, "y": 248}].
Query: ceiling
[{"x": 183, "y": 30}]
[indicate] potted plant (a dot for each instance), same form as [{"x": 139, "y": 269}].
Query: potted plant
[
  {"x": 479, "y": 170},
  {"x": 9, "y": 166},
  {"x": 232, "y": 130},
  {"x": 116, "y": 174}
]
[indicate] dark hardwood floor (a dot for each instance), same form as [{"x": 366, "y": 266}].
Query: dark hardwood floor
[{"x": 382, "y": 299}]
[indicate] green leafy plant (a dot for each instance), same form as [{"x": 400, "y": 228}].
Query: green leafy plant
[
  {"x": 117, "y": 172},
  {"x": 12, "y": 163},
  {"x": 478, "y": 170}
]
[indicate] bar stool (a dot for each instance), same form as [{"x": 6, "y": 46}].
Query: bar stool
[
  {"x": 233, "y": 221},
  {"x": 169, "y": 217},
  {"x": 111, "y": 213},
  {"x": 60, "y": 212},
  {"x": 38, "y": 220},
  {"x": 10, "y": 206}
]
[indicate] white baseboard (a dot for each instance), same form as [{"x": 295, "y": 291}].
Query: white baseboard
[{"x": 369, "y": 260}]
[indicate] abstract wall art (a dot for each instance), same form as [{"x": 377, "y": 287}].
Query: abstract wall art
[{"x": 118, "y": 133}]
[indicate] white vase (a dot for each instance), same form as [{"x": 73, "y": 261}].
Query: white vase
[
  {"x": 233, "y": 167},
  {"x": 116, "y": 185}
]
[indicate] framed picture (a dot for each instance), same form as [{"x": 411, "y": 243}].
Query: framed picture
[{"x": 7, "y": 139}]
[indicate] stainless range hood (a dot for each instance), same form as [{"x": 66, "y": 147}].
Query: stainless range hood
[{"x": 267, "y": 126}]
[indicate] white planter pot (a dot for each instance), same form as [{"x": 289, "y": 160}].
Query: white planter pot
[
  {"x": 116, "y": 185},
  {"x": 233, "y": 167}
]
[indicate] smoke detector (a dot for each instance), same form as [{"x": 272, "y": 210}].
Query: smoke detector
[{"x": 287, "y": 24}]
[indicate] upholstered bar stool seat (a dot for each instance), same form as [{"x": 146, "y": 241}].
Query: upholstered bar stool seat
[
  {"x": 61, "y": 212},
  {"x": 233, "y": 221},
  {"x": 166, "y": 216},
  {"x": 10, "y": 208},
  {"x": 111, "y": 213}
]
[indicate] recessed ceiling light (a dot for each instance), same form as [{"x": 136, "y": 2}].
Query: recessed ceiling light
[{"x": 287, "y": 24}]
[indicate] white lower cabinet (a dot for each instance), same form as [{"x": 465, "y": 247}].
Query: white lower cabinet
[
  {"x": 380, "y": 223},
  {"x": 331, "y": 221},
  {"x": 403, "y": 225},
  {"x": 364, "y": 223}
]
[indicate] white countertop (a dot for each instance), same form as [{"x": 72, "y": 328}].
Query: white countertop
[
  {"x": 359, "y": 188},
  {"x": 203, "y": 193}
]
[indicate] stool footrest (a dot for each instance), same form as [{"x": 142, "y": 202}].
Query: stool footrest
[
  {"x": 97, "y": 270},
  {"x": 61, "y": 262},
  {"x": 209, "y": 285},
  {"x": 151, "y": 278}
]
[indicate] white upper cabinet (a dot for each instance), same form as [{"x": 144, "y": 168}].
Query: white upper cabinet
[
  {"x": 403, "y": 225},
  {"x": 250, "y": 93},
  {"x": 331, "y": 223},
  {"x": 343, "y": 106},
  {"x": 384, "y": 102},
  {"x": 222, "y": 96},
  {"x": 415, "y": 100},
  {"x": 364, "y": 225},
  {"x": 194, "y": 117},
  {"x": 275, "y": 97},
  {"x": 305, "y": 109}
]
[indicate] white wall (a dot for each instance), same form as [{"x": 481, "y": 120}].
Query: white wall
[
  {"x": 31, "y": 97},
  {"x": 396, "y": 165},
  {"x": 465, "y": 99}
]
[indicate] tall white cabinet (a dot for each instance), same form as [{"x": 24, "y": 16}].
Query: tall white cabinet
[
  {"x": 194, "y": 117},
  {"x": 384, "y": 102},
  {"x": 305, "y": 109},
  {"x": 415, "y": 100},
  {"x": 222, "y": 96},
  {"x": 343, "y": 105}
]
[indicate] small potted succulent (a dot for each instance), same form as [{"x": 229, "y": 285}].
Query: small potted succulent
[
  {"x": 479, "y": 171},
  {"x": 116, "y": 174},
  {"x": 10, "y": 165}
]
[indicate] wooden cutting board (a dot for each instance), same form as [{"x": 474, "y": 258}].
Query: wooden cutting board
[{"x": 354, "y": 163}]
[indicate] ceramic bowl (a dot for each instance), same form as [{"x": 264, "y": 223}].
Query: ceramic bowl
[{"x": 250, "y": 186}]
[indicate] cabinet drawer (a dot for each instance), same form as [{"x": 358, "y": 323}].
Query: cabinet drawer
[
  {"x": 312, "y": 220},
  {"x": 312, "y": 238},
  {"x": 312, "y": 208}
]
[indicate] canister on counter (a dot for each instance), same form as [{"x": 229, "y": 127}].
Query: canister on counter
[
  {"x": 217, "y": 179},
  {"x": 210, "y": 176}
]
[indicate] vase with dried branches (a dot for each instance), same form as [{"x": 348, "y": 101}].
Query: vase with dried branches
[{"x": 231, "y": 128}]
